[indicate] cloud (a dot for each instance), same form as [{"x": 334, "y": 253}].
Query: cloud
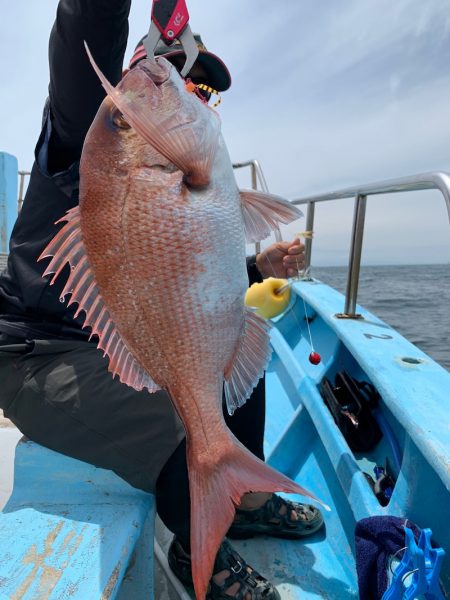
[{"x": 324, "y": 95}]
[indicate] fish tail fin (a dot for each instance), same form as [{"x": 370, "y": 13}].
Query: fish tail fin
[{"x": 216, "y": 488}]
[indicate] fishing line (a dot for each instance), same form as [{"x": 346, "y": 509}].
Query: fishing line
[
  {"x": 307, "y": 323},
  {"x": 304, "y": 306},
  {"x": 280, "y": 290},
  {"x": 314, "y": 357}
]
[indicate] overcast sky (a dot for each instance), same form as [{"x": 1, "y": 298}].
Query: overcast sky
[{"x": 326, "y": 94}]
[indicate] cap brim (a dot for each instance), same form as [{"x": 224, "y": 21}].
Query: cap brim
[{"x": 218, "y": 76}]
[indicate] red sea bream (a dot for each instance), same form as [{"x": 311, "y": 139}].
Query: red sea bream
[{"x": 157, "y": 255}]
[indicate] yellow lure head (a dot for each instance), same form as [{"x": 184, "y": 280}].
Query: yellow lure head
[{"x": 264, "y": 297}]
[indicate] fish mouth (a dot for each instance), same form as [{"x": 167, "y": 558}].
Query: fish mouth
[{"x": 154, "y": 69}]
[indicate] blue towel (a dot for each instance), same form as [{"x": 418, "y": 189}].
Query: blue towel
[{"x": 376, "y": 539}]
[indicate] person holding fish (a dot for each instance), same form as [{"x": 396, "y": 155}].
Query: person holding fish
[{"x": 57, "y": 387}]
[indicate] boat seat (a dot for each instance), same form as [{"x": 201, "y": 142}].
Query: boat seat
[{"x": 71, "y": 530}]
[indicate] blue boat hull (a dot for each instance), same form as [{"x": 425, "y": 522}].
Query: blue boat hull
[{"x": 303, "y": 441}]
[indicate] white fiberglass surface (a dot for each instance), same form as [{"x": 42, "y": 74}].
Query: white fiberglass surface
[{"x": 9, "y": 436}]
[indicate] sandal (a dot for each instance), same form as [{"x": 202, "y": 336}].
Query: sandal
[
  {"x": 252, "y": 586},
  {"x": 180, "y": 561},
  {"x": 273, "y": 518}
]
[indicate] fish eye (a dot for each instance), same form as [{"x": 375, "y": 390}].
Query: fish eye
[{"x": 118, "y": 119}]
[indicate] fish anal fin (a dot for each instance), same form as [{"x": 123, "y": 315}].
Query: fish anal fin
[
  {"x": 249, "y": 361},
  {"x": 216, "y": 489},
  {"x": 264, "y": 212},
  {"x": 67, "y": 248}
]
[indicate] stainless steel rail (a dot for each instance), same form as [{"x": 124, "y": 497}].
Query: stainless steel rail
[
  {"x": 22, "y": 175},
  {"x": 256, "y": 173},
  {"x": 424, "y": 181},
  {"x": 257, "y": 176}
]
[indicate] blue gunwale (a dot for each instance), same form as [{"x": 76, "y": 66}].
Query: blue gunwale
[
  {"x": 427, "y": 418},
  {"x": 303, "y": 441}
]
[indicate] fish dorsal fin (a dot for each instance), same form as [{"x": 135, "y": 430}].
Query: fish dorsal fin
[
  {"x": 188, "y": 137},
  {"x": 249, "y": 362},
  {"x": 263, "y": 213},
  {"x": 67, "y": 248}
]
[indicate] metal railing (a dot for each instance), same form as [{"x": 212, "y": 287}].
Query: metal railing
[
  {"x": 22, "y": 175},
  {"x": 257, "y": 176},
  {"x": 424, "y": 181}
]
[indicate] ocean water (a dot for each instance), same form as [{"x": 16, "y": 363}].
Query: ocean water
[{"x": 415, "y": 300}]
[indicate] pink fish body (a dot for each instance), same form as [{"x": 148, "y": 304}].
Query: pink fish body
[{"x": 157, "y": 251}]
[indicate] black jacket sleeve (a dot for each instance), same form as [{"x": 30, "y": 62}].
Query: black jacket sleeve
[
  {"x": 254, "y": 276},
  {"x": 75, "y": 91}
]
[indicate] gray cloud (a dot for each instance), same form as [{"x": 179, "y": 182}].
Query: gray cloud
[{"x": 325, "y": 94}]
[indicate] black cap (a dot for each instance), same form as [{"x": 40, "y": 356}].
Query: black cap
[{"x": 217, "y": 74}]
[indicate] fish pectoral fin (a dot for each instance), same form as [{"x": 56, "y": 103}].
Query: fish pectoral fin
[
  {"x": 67, "y": 248},
  {"x": 264, "y": 212},
  {"x": 249, "y": 362}
]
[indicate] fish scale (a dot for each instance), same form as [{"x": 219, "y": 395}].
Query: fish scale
[{"x": 163, "y": 225}]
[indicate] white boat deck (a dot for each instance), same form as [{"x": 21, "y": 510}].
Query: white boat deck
[{"x": 9, "y": 436}]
